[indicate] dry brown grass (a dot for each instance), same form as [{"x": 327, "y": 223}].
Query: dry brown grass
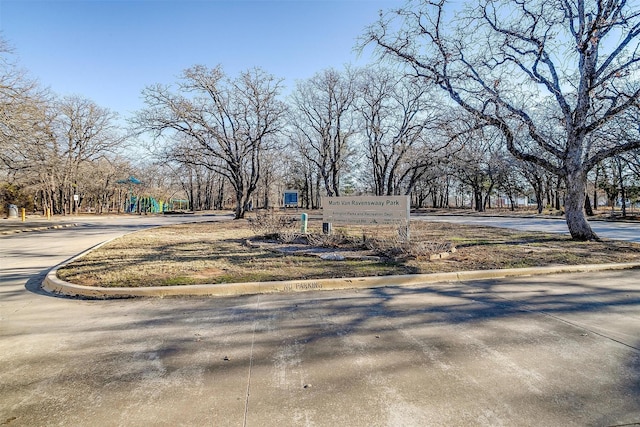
[{"x": 216, "y": 253}]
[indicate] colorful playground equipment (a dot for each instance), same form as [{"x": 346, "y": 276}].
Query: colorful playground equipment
[
  {"x": 144, "y": 205},
  {"x": 148, "y": 204}
]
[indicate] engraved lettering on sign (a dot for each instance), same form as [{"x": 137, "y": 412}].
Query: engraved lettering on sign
[
  {"x": 366, "y": 210},
  {"x": 301, "y": 286},
  {"x": 308, "y": 286}
]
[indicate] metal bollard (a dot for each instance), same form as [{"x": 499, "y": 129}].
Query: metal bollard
[
  {"x": 304, "y": 218},
  {"x": 326, "y": 228}
]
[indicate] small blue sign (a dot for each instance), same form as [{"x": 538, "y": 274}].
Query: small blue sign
[{"x": 291, "y": 198}]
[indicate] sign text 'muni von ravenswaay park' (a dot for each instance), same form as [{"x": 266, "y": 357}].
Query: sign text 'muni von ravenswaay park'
[{"x": 366, "y": 210}]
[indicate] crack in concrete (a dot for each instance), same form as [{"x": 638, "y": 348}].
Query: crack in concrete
[{"x": 253, "y": 340}]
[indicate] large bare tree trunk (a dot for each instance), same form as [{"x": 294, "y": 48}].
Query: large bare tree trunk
[
  {"x": 574, "y": 207},
  {"x": 240, "y": 205}
]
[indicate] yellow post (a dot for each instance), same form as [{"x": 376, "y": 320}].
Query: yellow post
[
  {"x": 48, "y": 213},
  {"x": 24, "y": 214}
]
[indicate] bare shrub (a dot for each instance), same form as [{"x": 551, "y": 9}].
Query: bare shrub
[
  {"x": 388, "y": 245},
  {"x": 288, "y": 235},
  {"x": 339, "y": 239},
  {"x": 396, "y": 246},
  {"x": 273, "y": 226},
  {"x": 388, "y": 241}
]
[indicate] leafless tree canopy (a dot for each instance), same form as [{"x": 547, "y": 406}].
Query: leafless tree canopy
[
  {"x": 47, "y": 144},
  {"x": 322, "y": 119},
  {"x": 231, "y": 122},
  {"x": 399, "y": 120},
  {"x": 21, "y": 110},
  {"x": 547, "y": 73},
  {"x": 482, "y": 102}
]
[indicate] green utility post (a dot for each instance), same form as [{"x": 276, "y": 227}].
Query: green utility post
[{"x": 305, "y": 219}]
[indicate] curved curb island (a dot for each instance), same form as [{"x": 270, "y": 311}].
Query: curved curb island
[{"x": 54, "y": 285}]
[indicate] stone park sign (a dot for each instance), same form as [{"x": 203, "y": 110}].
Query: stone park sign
[{"x": 366, "y": 210}]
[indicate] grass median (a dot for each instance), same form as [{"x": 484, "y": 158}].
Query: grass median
[{"x": 233, "y": 252}]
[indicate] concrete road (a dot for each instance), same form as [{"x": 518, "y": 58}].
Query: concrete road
[
  {"x": 556, "y": 351},
  {"x": 628, "y": 231}
]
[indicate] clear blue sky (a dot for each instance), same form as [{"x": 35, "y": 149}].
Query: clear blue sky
[{"x": 108, "y": 51}]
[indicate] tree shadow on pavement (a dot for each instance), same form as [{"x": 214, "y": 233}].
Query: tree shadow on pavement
[{"x": 559, "y": 350}]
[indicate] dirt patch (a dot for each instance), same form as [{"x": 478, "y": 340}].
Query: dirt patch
[{"x": 306, "y": 249}]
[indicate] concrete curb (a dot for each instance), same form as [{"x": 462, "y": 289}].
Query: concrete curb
[{"x": 54, "y": 285}]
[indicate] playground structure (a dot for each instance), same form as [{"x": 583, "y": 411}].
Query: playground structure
[{"x": 148, "y": 204}]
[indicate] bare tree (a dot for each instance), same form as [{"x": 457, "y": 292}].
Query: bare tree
[
  {"x": 500, "y": 59},
  {"x": 195, "y": 171},
  {"x": 323, "y": 123},
  {"x": 23, "y": 108},
  {"x": 535, "y": 177},
  {"x": 56, "y": 138},
  {"x": 395, "y": 113},
  {"x": 435, "y": 184},
  {"x": 84, "y": 132},
  {"x": 301, "y": 174},
  {"x": 98, "y": 186},
  {"x": 52, "y": 148},
  {"x": 479, "y": 165},
  {"x": 511, "y": 181},
  {"x": 231, "y": 122}
]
